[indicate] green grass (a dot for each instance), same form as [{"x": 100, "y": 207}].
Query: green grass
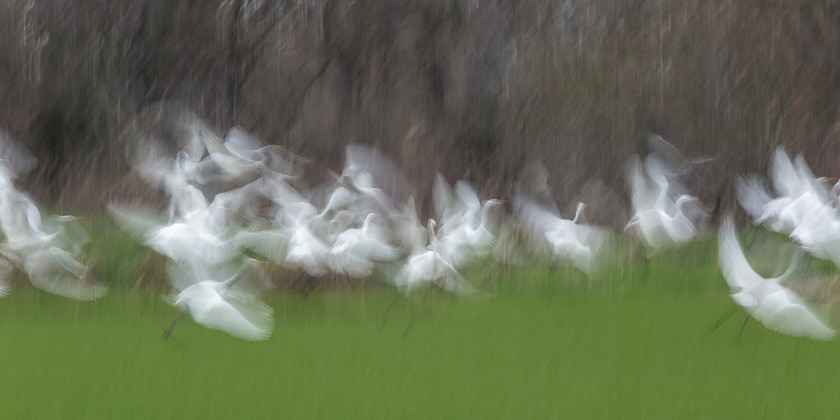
[{"x": 633, "y": 343}]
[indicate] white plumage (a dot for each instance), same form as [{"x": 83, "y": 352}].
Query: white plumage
[
  {"x": 224, "y": 305},
  {"x": 765, "y": 299}
]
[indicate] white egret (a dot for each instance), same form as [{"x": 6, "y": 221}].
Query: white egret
[
  {"x": 462, "y": 241},
  {"x": 819, "y": 233},
  {"x": 800, "y": 194},
  {"x": 427, "y": 267},
  {"x": 38, "y": 252},
  {"x": 765, "y": 299},
  {"x": 463, "y": 235},
  {"x": 223, "y": 305},
  {"x": 406, "y": 229},
  {"x": 306, "y": 249},
  {"x": 659, "y": 229},
  {"x": 568, "y": 240},
  {"x": 659, "y": 221},
  {"x": 753, "y": 196},
  {"x": 196, "y": 238},
  {"x": 355, "y": 251}
]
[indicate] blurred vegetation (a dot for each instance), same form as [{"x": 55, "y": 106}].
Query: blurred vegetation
[
  {"x": 475, "y": 89},
  {"x": 547, "y": 346}
]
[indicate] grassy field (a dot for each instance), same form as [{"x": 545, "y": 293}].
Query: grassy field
[{"x": 550, "y": 343}]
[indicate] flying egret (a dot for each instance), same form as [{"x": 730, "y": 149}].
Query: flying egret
[
  {"x": 463, "y": 239},
  {"x": 428, "y": 267},
  {"x": 765, "y": 299},
  {"x": 569, "y": 240},
  {"x": 664, "y": 213},
  {"x": 38, "y": 251},
  {"x": 800, "y": 194},
  {"x": 356, "y": 250},
  {"x": 463, "y": 235},
  {"x": 223, "y": 305}
]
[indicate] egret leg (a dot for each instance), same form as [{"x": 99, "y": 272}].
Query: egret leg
[
  {"x": 298, "y": 280},
  {"x": 350, "y": 283},
  {"x": 742, "y": 328},
  {"x": 752, "y": 241},
  {"x": 172, "y": 325},
  {"x": 410, "y": 318},
  {"x": 724, "y": 318},
  {"x": 385, "y": 315},
  {"x": 646, "y": 262}
]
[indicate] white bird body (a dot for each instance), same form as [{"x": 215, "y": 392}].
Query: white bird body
[
  {"x": 463, "y": 235},
  {"x": 198, "y": 236},
  {"x": 784, "y": 214},
  {"x": 427, "y": 268},
  {"x": 214, "y": 305},
  {"x": 224, "y": 297},
  {"x": 406, "y": 229},
  {"x": 752, "y": 196},
  {"x": 355, "y": 251},
  {"x": 47, "y": 257},
  {"x": 800, "y": 195},
  {"x": 819, "y": 234},
  {"x": 659, "y": 220},
  {"x": 271, "y": 242},
  {"x": 355, "y": 189},
  {"x": 765, "y": 299},
  {"x": 664, "y": 214},
  {"x": 192, "y": 242},
  {"x": 658, "y": 229},
  {"x": 308, "y": 252},
  {"x": 567, "y": 239}
]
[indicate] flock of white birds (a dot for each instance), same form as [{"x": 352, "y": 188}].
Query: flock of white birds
[{"x": 233, "y": 198}]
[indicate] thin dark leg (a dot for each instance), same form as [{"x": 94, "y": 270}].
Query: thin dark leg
[
  {"x": 347, "y": 279},
  {"x": 752, "y": 241},
  {"x": 724, "y": 318},
  {"x": 312, "y": 284},
  {"x": 172, "y": 325},
  {"x": 410, "y": 318},
  {"x": 298, "y": 279},
  {"x": 742, "y": 328},
  {"x": 385, "y": 315}
]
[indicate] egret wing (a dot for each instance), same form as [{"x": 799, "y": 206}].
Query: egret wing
[
  {"x": 786, "y": 179},
  {"x": 56, "y": 271},
  {"x": 787, "y": 314},
  {"x": 734, "y": 265},
  {"x": 752, "y": 196}
]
